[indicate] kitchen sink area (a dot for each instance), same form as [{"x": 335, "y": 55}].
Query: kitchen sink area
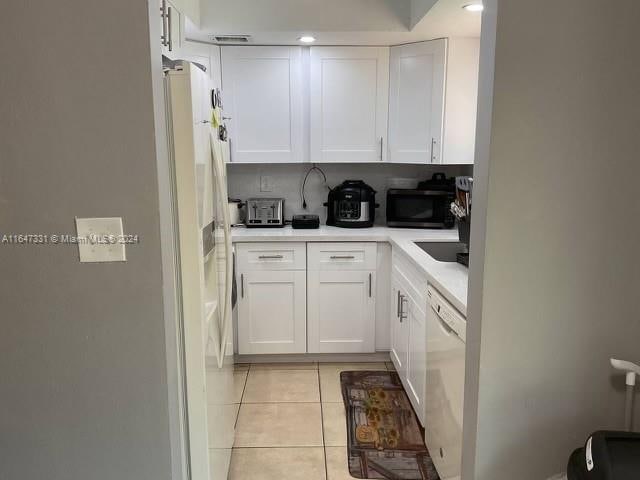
[{"x": 442, "y": 251}]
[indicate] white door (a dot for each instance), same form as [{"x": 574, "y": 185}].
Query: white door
[
  {"x": 349, "y": 103},
  {"x": 417, "y": 358},
  {"x": 341, "y": 311},
  {"x": 399, "y": 328},
  {"x": 416, "y": 102},
  {"x": 272, "y": 312},
  {"x": 262, "y": 89}
]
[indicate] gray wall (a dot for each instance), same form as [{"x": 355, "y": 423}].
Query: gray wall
[
  {"x": 561, "y": 277},
  {"x": 83, "y": 390},
  {"x": 244, "y": 182}
]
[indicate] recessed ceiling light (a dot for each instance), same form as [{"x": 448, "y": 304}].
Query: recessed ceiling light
[
  {"x": 307, "y": 39},
  {"x": 474, "y": 7}
]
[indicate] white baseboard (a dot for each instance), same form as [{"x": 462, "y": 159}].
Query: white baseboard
[{"x": 315, "y": 357}]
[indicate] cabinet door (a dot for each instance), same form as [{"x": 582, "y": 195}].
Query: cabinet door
[
  {"x": 206, "y": 55},
  {"x": 341, "y": 311},
  {"x": 262, "y": 89},
  {"x": 172, "y": 29},
  {"x": 349, "y": 103},
  {"x": 416, "y": 102},
  {"x": 399, "y": 328},
  {"x": 417, "y": 358},
  {"x": 271, "y": 312}
]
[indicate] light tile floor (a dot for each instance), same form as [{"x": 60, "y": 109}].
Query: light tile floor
[{"x": 291, "y": 422}]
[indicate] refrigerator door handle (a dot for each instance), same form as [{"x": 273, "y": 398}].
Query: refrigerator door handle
[{"x": 218, "y": 165}]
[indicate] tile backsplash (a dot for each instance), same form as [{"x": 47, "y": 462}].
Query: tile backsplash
[{"x": 286, "y": 181}]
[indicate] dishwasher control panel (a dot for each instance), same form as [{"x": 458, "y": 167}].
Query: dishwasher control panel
[{"x": 447, "y": 313}]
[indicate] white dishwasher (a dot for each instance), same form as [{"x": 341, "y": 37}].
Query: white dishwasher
[{"x": 446, "y": 336}]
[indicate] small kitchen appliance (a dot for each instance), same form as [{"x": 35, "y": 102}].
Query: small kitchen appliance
[
  {"x": 305, "y": 221},
  {"x": 352, "y": 204},
  {"x": 426, "y": 206},
  {"x": 265, "y": 212},
  {"x": 236, "y": 211}
]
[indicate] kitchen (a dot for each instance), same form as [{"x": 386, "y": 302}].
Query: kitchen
[
  {"x": 298, "y": 178},
  {"x": 349, "y": 179}
]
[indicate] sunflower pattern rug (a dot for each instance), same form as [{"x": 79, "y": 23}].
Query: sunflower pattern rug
[{"x": 384, "y": 437}]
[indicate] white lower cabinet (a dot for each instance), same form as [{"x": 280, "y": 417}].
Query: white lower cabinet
[
  {"x": 399, "y": 329},
  {"x": 408, "y": 331},
  {"x": 271, "y": 312},
  {"x": 271, "y": 300},
  {"x": 416, "y": 374},
  {"x": 317, "y": 297},
  {"x": 341, "y": 292},
  {"x": 341, "y": 311}
]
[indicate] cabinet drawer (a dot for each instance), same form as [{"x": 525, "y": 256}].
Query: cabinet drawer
[
  {"x": 271, "y": 256},
  {"x": 342, "y": 256}
]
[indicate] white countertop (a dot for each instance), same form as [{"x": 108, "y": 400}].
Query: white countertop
[{"x": 449, "y": 278}]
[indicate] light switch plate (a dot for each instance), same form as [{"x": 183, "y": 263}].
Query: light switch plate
[{"x": 100, "y": 239}]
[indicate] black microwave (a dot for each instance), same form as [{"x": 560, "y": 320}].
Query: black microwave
[{"x": 420, "y": 208}]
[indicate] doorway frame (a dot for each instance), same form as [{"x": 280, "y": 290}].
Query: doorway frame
[{"x": 481, "y": 172}]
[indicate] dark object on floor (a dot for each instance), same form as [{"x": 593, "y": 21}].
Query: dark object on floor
[
  {"x": 305, "y": 221},
  {"x": 607, "y": 456},
  {"x": 384, "y": 437}
]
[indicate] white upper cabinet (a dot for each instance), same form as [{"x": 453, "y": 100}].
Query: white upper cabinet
[
  {"x": 416, "y": 102},
  {"x": 349, "y": 89},
  {"x": 172, "y": 29},
  {"x": 413, "y": 103},
  {"x": 206, "y": 55},
  {"x": 461, "y": 100},
  {"x": 263, "y": 96}
]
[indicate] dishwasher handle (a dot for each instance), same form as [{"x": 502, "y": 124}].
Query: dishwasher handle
[{"x": 446, "y": 327}]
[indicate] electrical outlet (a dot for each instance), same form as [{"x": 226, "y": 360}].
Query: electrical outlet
[{"x": 266, "y": 183}]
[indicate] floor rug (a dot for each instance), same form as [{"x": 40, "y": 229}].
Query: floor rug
[{"x": 384, "y": 436}]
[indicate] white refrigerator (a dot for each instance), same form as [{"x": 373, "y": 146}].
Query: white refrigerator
[{"x": 204, "y": 265}]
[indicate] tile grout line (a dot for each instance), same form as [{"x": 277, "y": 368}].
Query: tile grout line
[
  {"x": 277, "y": 446},
  {"x": 324, "y": 446},
  {"x": 244, "y": 386},
  {"x": 282, "y": 402}
]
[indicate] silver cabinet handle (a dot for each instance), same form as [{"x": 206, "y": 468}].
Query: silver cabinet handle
[
  {"x": 242, "y": 285},
  {"x": 433, "y": 143},
  {"x": 267, "y": 257},
  {"x": 403, "y": 315},
  {"x": 369, "y": 285},
  {"x": 342, "y": 257},
  {"x": 163, "y": 15},
  {"x": 169, "y": 23},
  {"x": 398, "y": 305},
  {"x": 381, "y": 147}
]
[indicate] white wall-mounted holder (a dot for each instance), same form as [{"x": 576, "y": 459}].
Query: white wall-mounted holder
[
  {"x": 100, "y": 239},
  {"x": 632, "y": 371}
]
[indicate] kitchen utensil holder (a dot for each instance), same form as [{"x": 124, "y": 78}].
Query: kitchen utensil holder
[{"x": 464, "y": 229}]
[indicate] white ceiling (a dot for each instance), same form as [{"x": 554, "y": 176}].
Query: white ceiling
[{"x": 336, "y": 22}]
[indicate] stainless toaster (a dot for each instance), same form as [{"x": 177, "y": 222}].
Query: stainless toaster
[{"x": 265, "y": 212}]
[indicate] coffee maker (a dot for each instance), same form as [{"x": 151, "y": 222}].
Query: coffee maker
[{"x": 352, "y": 204}]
